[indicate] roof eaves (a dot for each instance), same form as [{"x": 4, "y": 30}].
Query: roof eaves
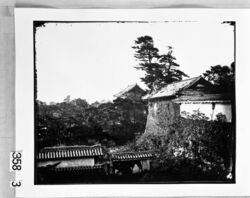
[
  {"x": 192, "y": 81},
  {"x": 128, "y": 88}
]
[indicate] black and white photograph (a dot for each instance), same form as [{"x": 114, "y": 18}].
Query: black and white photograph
[{"x": 134, "y": 102}]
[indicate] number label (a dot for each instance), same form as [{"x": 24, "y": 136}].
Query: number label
[
  {"x": 15, "y": 184},
  {"x": 16, "y": 161}
]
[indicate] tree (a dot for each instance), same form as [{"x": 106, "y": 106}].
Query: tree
[
  {"x": 170, "y": 71},
  {"x": 76, "y": 122},
  {"x": 222, "y": 76},
  {"x": 160, "y": 69}
]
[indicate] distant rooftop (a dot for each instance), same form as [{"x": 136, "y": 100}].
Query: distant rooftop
[{"x": 128, "y": 89}]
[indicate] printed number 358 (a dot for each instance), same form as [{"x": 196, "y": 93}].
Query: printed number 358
[{"x": 16, "y": 161}]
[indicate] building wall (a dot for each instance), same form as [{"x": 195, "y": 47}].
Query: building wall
[
  {"x": 160, "y": 115},
  {"x": 145, "y": 165},
  {"x": 69, "y": 162},
  {"x": 135, "y": 94},
  {"x": 208, "y": 111}
]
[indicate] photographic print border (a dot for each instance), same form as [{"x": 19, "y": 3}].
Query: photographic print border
[
  {"x": 24, "y": 90},
  {"x": 41, "y": 23}
]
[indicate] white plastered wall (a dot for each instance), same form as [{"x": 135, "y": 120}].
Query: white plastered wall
[
  {"x": 70, "y": 162},
  {"x": 208, "y": 110}
]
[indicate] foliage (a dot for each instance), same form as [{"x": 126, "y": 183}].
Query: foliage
[
  {"x": 192, "y": 148},
  {"x": 222, "y": 76},
  {"x": 170, "y": 72},
  {"x": 77, "y": 122},
  {"x": 160, "y": 69},
  {"x": 197, "y": 115},
  {"x": 220, "y": 117}
]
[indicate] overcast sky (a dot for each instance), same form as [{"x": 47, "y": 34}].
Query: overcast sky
[{"x": 94, "y": 61}]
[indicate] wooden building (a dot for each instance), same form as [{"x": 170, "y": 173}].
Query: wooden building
[
  {"x": 71, "y": 164},
  {"x": 133, "y": 92},
  {"x": 184, "y": 97},
  {"x": 87, "y": 164},
  {"x": 130, "y": 102},
  {"x": 70, "y": 156}
]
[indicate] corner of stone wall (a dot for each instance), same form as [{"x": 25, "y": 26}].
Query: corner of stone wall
[{"x": 161, "y": 114}]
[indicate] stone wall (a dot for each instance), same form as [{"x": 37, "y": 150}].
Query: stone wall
[{"x": 161, "y": 114}]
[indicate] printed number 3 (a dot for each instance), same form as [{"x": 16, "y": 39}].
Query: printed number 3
[
  {"x": 16, "y": 184},
  {"x": 16, "y": 161}
]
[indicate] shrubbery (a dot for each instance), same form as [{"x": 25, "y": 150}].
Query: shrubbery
[{"x": 192, "y": 149}]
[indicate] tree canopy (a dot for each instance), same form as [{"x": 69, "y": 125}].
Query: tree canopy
[
  {"x": 222, "y": 76},
  {"x": 74, "y": 122},
  {"x": 160, "y": 69}
]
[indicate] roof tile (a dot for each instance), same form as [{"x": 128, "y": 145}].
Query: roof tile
[
  {"x": 69, "y": 152},
  {"x": 131, "y": 156},
  {"x": 172, "y": 89}
]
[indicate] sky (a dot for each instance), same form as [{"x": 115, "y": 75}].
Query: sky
[{"x": 95, "y": 61}]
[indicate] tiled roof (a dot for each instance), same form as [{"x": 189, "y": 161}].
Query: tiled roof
[
  {"x": 131, "y": 156},
  {"x": 127, "y": 89},
  {"x": 69, "y": 152},
  {"x": 173, "y": 88},
  {"x": 78, "y": 168}
]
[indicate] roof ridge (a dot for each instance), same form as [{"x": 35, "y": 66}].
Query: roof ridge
[
  {"x": 175, "y": 83},
  {"x": 173, "y": 88},
  {"x": 185, "y": 80},
  {"x": 73, "y": 146},
  {"x": 126, "y": 89}
]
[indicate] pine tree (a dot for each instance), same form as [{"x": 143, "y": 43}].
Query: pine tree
[
  {"x": 170, "y": 72},
  {"x": 160, "y": 69}
]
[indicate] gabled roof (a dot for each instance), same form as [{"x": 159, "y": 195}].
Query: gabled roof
[
  {"x": 63, "y": 152},
  {"x": 128, "y": 89},
  {"x": 131, "y": 156},
  {"x": 173, "y": 88}
]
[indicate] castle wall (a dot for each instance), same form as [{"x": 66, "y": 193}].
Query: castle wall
[{"x": 161, "y": 114}]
